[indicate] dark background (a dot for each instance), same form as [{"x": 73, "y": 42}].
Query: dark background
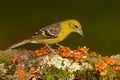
[{"x": 100, "y": 20}]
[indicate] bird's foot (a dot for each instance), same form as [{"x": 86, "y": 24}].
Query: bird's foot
[
  {"x": 51, "y": 50},
  {"x": 59, "y": 45}
]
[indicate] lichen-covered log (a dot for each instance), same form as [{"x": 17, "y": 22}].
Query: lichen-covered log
[{"x": 62, "y": 64}]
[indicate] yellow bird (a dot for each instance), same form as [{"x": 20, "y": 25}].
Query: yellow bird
[{"x": 53, "y": 34}]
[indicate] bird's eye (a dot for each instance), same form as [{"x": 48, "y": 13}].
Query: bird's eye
[
  {"x": 76, "y": 26},
  {"x": 73, "y": 25}
]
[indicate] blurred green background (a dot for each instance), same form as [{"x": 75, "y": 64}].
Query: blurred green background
[{"x": 100, "y": 20}]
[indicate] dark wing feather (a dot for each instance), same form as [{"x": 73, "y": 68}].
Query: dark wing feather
[{"x": 48, "y": 32}]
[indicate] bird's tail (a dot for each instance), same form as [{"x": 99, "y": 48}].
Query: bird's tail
[{"x": 18, "y": 44}]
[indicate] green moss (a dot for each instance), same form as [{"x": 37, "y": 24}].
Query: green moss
[
  {"x": 87, "y": 74},
  {"x": 5, "y": 58},
  {"x": 2, "y": 70},
  {"x": 112, "y": 73},
  {"x": 59, "y": 74},
  {"x": 8, "y": 69},
  {"x": 118, "y": 76}
]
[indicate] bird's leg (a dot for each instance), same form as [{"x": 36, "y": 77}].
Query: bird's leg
[
  {"x": 52, "y": 50},
  {"x": 59, "y": 45}
]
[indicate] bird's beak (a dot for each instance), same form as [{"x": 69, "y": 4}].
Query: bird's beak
[{"x": 80, "y": 32}]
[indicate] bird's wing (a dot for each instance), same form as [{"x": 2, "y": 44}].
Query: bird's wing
[{"x": 48, "y": 32}]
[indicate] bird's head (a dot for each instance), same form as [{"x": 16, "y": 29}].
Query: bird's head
[{"x": 74, "y": 26}]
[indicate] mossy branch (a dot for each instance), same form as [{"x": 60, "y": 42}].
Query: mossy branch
[{"x": 64, "y": 64}]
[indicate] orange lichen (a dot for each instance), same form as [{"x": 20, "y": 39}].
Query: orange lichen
[
  {"x": 83, "y": 50},
  {"x": 103, "y": 73},
  {"x": 78, "y": 57},
  {"x": 102, "y": 68},
  {"x": 35, "y": 71},
  {"x": 34, "y": 78},
  {"x": 21, "y": 73},
  {"x": 109, "y": 60},
  {"x": 42, "y": 51},
  {"x": 14, "y": 59},
  {"x": 64, "y": 50},
  {"x": 117, "y": 68},
  {"x": 94, "y": 53},
  {"x": 76, "y": 54}
]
